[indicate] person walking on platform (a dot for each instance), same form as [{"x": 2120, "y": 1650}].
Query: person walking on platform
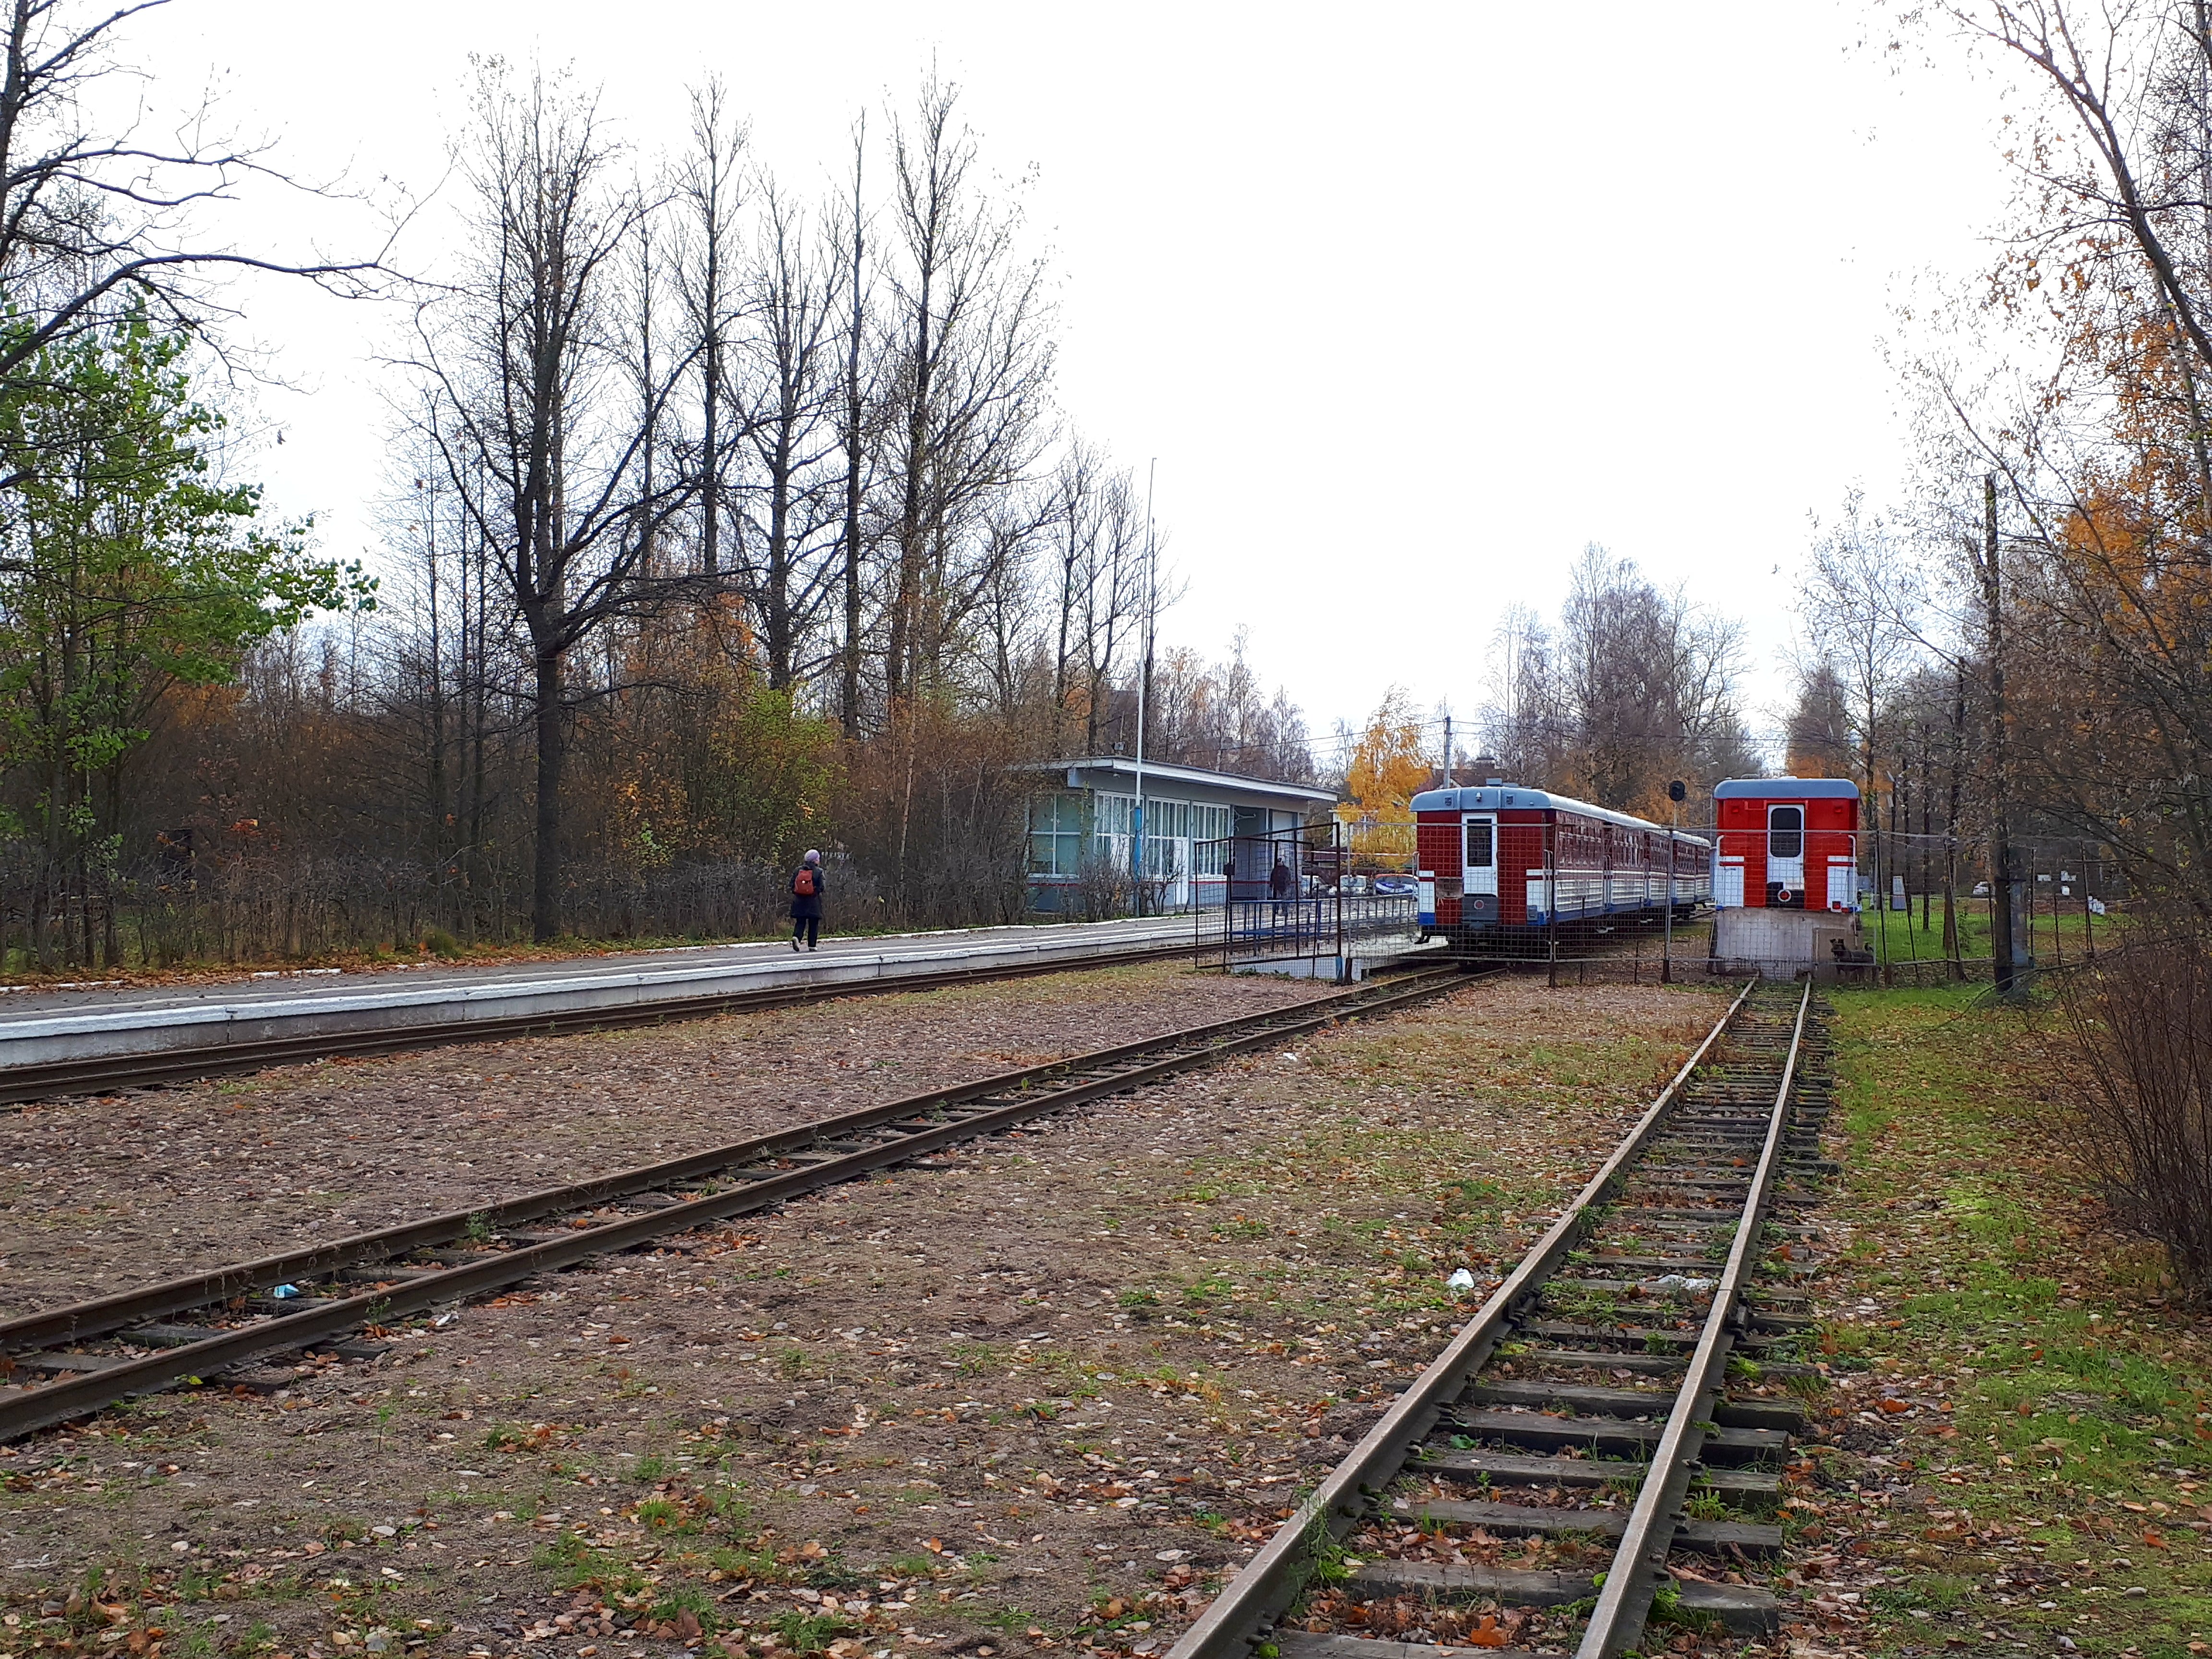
[{"x": 806, "y": 901}]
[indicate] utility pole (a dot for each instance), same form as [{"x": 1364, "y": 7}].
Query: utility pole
[
  {"x": 1144, "y": 685},
  {"x": 1951, "y": 951},
  {"x": 1448, "y": 752},
  {"x": 2001, "y": 942}
]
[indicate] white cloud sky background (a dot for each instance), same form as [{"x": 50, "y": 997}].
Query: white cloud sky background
[{"x": 1408, "y": 306}]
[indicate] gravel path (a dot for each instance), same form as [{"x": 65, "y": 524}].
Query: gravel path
[
  {"x": 1042, "y": 1394},
  {"x": 96, "y": 1195}
]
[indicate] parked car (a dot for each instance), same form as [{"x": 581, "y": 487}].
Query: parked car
[
  {"x": 1403, "y": 886},
  {"x": 1981, "y": 889}
]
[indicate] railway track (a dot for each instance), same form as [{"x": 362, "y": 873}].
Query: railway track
[
  {"x": 69, "y": 1361},
  {"x": 108, "y": 1073},
  {"x": 1598, "y": 1445}
]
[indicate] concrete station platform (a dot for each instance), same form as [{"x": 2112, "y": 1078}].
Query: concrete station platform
[{"x": 45, "y": 1027}]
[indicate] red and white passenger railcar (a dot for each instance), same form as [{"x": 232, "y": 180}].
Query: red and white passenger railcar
[
  {"x": 1788, "y": 843},
  {"x": 1500, "y": 860}
]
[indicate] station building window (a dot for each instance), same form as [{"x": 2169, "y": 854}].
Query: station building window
[
  {"x": 1061, "y": 827},
  {"x": 1211, "y": 829},
  {"x": 1056, "y": 834},
  {"x": 1111, "y": 823}
]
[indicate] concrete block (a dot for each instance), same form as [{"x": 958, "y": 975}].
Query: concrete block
[{"x": 1783, "y": 942}]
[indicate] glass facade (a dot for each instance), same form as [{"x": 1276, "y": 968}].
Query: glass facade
[
  {"x": 1211, "y": 828},
  {"x": 1081, "y": 845},
  {"x": 1056, "y": 829},
  {"x": 1181, "y": 837}
]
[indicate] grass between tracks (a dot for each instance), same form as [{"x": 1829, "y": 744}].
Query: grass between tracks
[{"x": 2018, "y": 1445}]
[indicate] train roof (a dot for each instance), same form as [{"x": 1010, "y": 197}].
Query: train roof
[
  {"x": 1786, "y": 789},
  {"x": 1490, "y": 797}
]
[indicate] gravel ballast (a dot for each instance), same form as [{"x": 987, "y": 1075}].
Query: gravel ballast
[
  {"x": 1043, "y": 1392},
  {"x": 100, "y": 1195}
]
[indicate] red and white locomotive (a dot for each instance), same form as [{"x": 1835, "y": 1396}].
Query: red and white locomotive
[{"x": 1500, "y": 861}]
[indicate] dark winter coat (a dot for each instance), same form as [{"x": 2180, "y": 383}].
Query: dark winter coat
[{"x": 806, "y": 904}]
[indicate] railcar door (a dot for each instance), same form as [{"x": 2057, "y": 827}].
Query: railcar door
[
  {"x": 1477, "y": 902},
  {"x": 1785, "y": 857}
]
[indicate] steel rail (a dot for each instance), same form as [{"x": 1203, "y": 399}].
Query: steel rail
[
  {"x": 79, "y": 1321},
  {"x": 42, "y": 1405},
  {"x": 1639, "y": 1564},
  {"x": 60, "y": 1078},
  {"x": 1271, "y": 1580}
]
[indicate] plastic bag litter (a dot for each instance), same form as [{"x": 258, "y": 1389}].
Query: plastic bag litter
[
  {"x": 1677, "y": 1285},
  {"x": 1461, "y": 1281},
  {"x": 284, "y": 1292}
]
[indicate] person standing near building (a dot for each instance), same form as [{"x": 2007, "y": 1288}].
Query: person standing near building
[{"x": 806, "y": 901}]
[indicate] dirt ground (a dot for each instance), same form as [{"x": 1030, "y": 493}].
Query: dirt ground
[
  {"x": 98, "y": 1195},
  {"x": 1046, "y": 1392}
]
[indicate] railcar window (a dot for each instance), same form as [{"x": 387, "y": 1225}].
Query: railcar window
[
  {"x": 1478, "y": 844},
  {"x": 1785, "y": 832}
]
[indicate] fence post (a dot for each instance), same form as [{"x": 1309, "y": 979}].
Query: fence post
[
  {"x": 1550, "y": 903},
  {"x": 2088, "y": 927}
]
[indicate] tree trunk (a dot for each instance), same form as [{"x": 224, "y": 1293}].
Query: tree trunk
[
  {"x": 1951, "y": 951},
  {"x": 2001, "y": 942},
  {"x": 1870, "y": 815},
  {"x": 849, "y": 690},
  {"x": 778, "y": 598},
  {"x": 906, "y": 597},
  {"x": 545, "y": 875},
  {"x": 710, "y": 448},
  {"x": 1059, "y": 648}
]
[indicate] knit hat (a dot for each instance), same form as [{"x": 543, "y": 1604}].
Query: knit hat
[{"x": 812, "y": 856}]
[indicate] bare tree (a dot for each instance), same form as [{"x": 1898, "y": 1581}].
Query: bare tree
[
  {"x": 971, "y": 359},
  {"x": 1112, "y": 594},
  {"x": 790, "y": 392},
  {"x": 94, "y": 223},
  {"x": 527, "y": 351},
  {"x": 1649, "y": 682},
  {"x": 1859, "y": 602},
  {"x": 1074, "y": 533},
  {"x": 849, "y": 243},
  {"x": 709, "y": 190}
]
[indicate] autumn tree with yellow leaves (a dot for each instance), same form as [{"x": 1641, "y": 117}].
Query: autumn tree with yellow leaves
[{"x": 1388, "y": 768}]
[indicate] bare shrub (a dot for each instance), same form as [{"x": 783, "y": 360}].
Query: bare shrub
[{"x": 2141, "y": 1109}]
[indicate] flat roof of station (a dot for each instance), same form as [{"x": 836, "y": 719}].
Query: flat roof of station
[{"x": 1198, "y": 777}]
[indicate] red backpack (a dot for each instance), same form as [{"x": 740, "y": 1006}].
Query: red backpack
[{"x": 802, "y": 884}]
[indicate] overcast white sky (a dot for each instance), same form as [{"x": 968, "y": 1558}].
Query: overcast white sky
[{"x": 1409, "y": 304}]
